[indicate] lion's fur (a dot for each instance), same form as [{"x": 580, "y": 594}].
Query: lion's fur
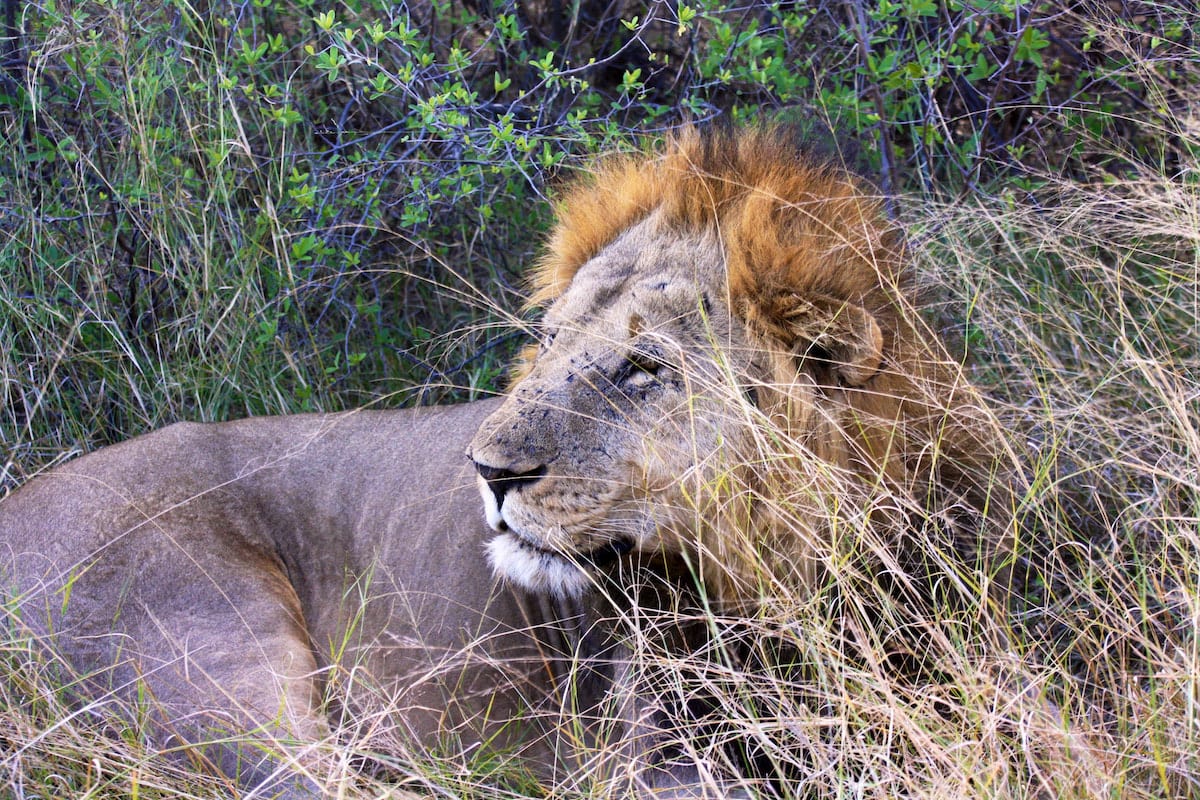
[
  {"x": 215, "y": 581},
  {"x": 788, "y": 224}
]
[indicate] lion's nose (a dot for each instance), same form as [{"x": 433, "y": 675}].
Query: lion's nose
[{"x": 501, "y": 481}]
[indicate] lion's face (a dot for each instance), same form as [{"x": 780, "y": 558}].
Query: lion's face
[
  {"x": 730, "y": 372},
  {"x": 624, "y": 415}
]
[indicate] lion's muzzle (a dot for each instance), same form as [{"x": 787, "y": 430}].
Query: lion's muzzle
[
  {"x": 499, "y": 481},
  {"x": 518, "y": 553}
]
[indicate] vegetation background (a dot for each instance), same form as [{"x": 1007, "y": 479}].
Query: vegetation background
[{"x": 212, "y": 209}]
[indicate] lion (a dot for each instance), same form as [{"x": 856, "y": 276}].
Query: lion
[
  {"x": 734, "y": 384},
  {"x": 729, "y": 345}
]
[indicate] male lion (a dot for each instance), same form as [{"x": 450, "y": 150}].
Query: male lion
[{"x": 728, "y": 351}]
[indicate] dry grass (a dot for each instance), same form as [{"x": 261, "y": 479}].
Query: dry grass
[
  {"x": 1079, "y": 308},
  {"x": 1080, "y": 311}
]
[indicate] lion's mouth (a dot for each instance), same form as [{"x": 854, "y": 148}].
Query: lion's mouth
[{"x": 600, "y": 557}]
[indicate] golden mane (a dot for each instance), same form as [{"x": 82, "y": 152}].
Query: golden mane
[
  {"x": 789, "y": 224},
  {"x": 794, "y": 231}
]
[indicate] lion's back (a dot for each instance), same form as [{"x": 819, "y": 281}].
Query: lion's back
[{"x": 61, "y": 514}]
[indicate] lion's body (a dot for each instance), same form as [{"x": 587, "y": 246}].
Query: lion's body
[
  {"x": 221, "y": 569},
  {"x": 731, "y": 365}
]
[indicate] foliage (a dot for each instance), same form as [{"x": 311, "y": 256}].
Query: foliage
[
  {"x": 247, "y": 208},
  {"x": 963, "y": 91}
]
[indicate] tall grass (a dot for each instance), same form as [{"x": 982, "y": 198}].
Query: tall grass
[
  {"x": 1079, "y": 310},
  {"x": 1082, "y": 307}
]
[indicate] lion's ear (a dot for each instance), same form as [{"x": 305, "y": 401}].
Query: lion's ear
[
  {"x": 842, "y": 333},
  {"x": 848, "y": 333}
]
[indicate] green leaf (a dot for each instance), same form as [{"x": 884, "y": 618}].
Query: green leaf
[
  {"x": 1030, "y": 45},
  {"x": 304, "y": 247},
  {"x": 981, "y": 70},
  {"x": 686, "y": 15}
]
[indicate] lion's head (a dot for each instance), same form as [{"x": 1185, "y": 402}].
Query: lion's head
[{"x": 726, "y": 323}]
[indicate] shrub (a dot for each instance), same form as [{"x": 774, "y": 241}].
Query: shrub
[{"x": 251, "y": 208}]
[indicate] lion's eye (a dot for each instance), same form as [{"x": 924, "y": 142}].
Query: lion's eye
[
  {"x": 640, "y": 370},
  {"x": 546, "y": 338}
]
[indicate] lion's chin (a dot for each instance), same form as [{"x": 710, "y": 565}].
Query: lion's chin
[
  {"x": 543, "y": 571},
  {"x": 535, "y": 569}
]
